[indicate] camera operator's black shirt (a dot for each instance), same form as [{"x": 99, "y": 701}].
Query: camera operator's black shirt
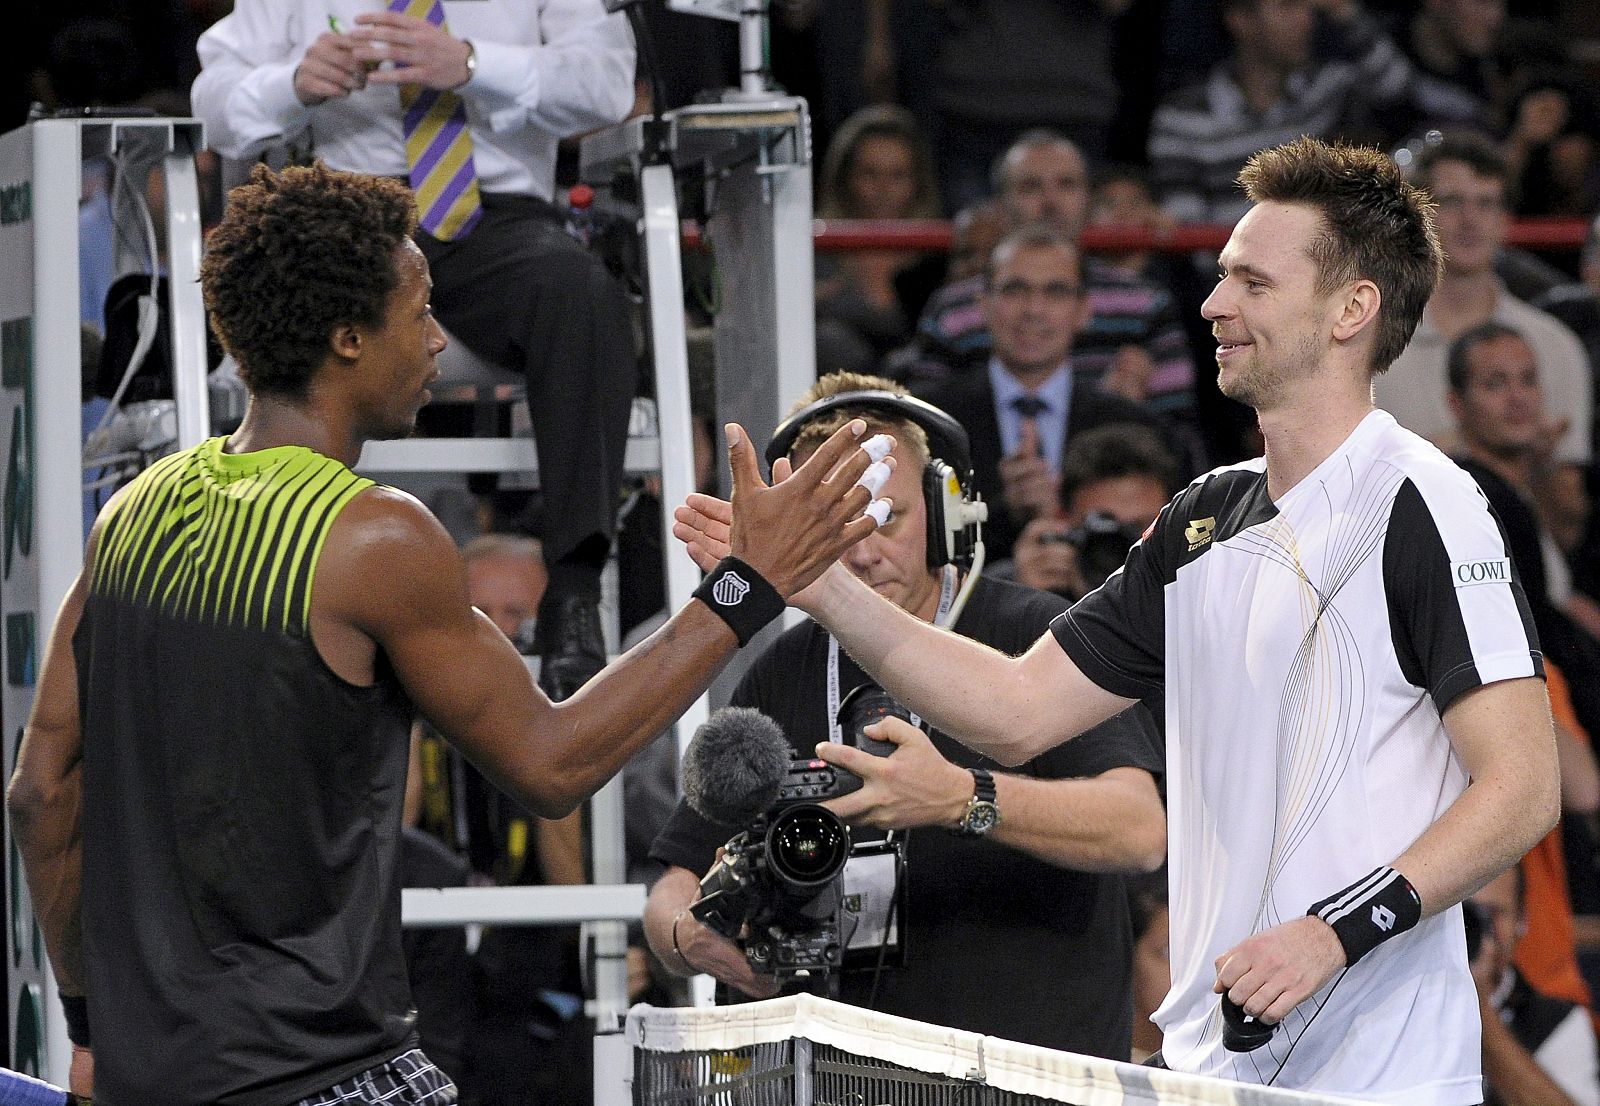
[{"x": 998, "y": 942}]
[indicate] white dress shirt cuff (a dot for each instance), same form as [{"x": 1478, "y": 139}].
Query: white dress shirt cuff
[{"x": 506, "y": 86}]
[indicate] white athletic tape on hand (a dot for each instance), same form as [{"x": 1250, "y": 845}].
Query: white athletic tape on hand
[
  {"x": 878, "y": 510},
  {"x": 878, "y": 446},
  {"x": 876, "y": 476}
]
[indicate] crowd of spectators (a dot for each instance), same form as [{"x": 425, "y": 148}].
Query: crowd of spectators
[{"x": 1084, "y": 379}]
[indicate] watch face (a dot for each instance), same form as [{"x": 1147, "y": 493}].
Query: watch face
[{"x": 981, "y": 817}]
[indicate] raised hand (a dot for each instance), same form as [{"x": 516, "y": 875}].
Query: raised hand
[
  {"x": 704, "y": 524},
  {"x": 913, "y": 786},
  {"x": 792, "y": 531},
  {"x": 1541, "y": 116},
  {"x": 1551, "y": 431},
  {"x": 1028, "y": 485},
  {"x": 422, "y": 53},
  {"x": 330, "y": 70}
]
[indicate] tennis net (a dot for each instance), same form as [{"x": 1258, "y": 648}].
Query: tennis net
[{"x": 807, "y": 1051}]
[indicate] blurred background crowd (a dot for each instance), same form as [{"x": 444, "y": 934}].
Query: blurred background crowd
[{"x": 1081, "y": 370}]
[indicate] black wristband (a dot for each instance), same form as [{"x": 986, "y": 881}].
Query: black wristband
[
  {"x": 1376, "y": 907},
  {"x": 741, "y": 597},
  {"x": 76, "y": 1008}
]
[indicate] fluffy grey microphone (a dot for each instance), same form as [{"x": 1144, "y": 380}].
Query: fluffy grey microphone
[{"x": 734, "y": 765}]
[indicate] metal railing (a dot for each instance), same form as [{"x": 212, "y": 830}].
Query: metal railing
[{"x": 845, "y": 235}]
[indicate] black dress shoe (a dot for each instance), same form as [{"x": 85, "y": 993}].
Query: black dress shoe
[{"x": 571, "y": 647}]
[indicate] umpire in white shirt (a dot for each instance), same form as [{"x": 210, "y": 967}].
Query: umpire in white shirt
[{"x": 480, "y": 92}]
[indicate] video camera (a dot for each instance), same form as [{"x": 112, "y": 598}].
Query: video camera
[
  {"x": 781, "y": 876},
  {"x": 779, "y": 889}
]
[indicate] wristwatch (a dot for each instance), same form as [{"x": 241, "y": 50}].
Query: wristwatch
[{"x": 982, "y": 815}]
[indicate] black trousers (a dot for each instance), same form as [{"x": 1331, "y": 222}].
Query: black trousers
[{"x": 520, "y": 292}]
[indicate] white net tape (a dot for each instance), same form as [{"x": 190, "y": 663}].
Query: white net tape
[{"x": 728, "y": 1045}]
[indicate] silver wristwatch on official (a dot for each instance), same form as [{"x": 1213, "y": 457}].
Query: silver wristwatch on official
[{"x": 982, "y": 815}]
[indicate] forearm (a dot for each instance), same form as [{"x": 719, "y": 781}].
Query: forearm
[
  {"x": 245, "y": 91},
  {"x": 1580, "y": 781},
  {"x": 45, "y": 797},
  {"x": 1484, "y": 832},
  {"x": 1563, "y": 498},
  {"x": 1512, "y": 1072},
  {"x": 880, "y": 19},
  {"x": 1503, "y": 735},
  {"x": 670, "y": 897},
  {"x": 46, "y": 824},
  {"x": 688, "y": 947},
  {"x": 559, "y": 842},
  {"x": 589, "y": 737},
  {"x": 578, "y": 77},
  {"x": 1111, "y": 823},
  {"x": 996, "y": 704}
]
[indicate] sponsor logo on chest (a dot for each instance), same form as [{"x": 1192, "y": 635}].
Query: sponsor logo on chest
[{"x": 1199, "y": 531}]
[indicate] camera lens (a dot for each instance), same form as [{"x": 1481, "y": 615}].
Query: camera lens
[{"x": 807, "y": 845}]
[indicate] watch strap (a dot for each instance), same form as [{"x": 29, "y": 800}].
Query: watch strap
[{"x": 981, "y": 814}]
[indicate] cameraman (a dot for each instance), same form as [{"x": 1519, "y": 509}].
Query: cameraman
[
  {"x": 1114, "y": 481},
  {"x": 1025, "y": 935}
]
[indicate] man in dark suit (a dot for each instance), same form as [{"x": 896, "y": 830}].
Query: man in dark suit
[{"x": 1021, "y": 411}]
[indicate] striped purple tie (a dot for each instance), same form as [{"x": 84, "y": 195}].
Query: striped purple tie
[{"x": 438, "y": 146}]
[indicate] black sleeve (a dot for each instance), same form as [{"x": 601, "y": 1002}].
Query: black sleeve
[
  {"x": 1129, "y": 740},
  {"x": 690, "y": 841},
  {"x": 1116, "y": 635},
  {"x": 1457, "y": 611}
]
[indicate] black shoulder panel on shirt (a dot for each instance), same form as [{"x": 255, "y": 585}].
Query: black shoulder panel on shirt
[
  {"x": 1425, "y": 622},
  {"x": 1214, "y": 509}
]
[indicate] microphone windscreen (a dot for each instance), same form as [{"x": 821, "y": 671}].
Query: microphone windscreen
[{"x": 734, "y": 765}]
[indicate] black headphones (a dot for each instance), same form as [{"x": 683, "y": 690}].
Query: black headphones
[{"x": 955, "y": 512}]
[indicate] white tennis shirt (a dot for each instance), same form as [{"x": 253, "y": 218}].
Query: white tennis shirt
[{"x": 1306, "y": 649}]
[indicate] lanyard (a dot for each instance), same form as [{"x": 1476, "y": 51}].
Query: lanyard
[{"x": 947, "y": 596}]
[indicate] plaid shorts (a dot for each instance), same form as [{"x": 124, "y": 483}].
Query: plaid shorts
[{"x": 410, "y": 1079}]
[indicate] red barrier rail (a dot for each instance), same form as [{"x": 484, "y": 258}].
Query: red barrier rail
[{"x": 843, "y": 235}]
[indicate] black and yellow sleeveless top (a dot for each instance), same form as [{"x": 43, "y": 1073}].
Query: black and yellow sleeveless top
[
  {"x": 241, "y": 801},
  {"x": 226, "y": 538}
]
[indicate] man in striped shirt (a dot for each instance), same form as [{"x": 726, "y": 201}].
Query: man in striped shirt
[
  {"x": 1133, "y": 333},
  {"x": 1273, "y": 88}
]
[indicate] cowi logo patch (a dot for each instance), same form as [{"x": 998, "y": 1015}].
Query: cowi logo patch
[
  {"x": 1466, "y": 574},
  {"x": 1199, "y": 532}
]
